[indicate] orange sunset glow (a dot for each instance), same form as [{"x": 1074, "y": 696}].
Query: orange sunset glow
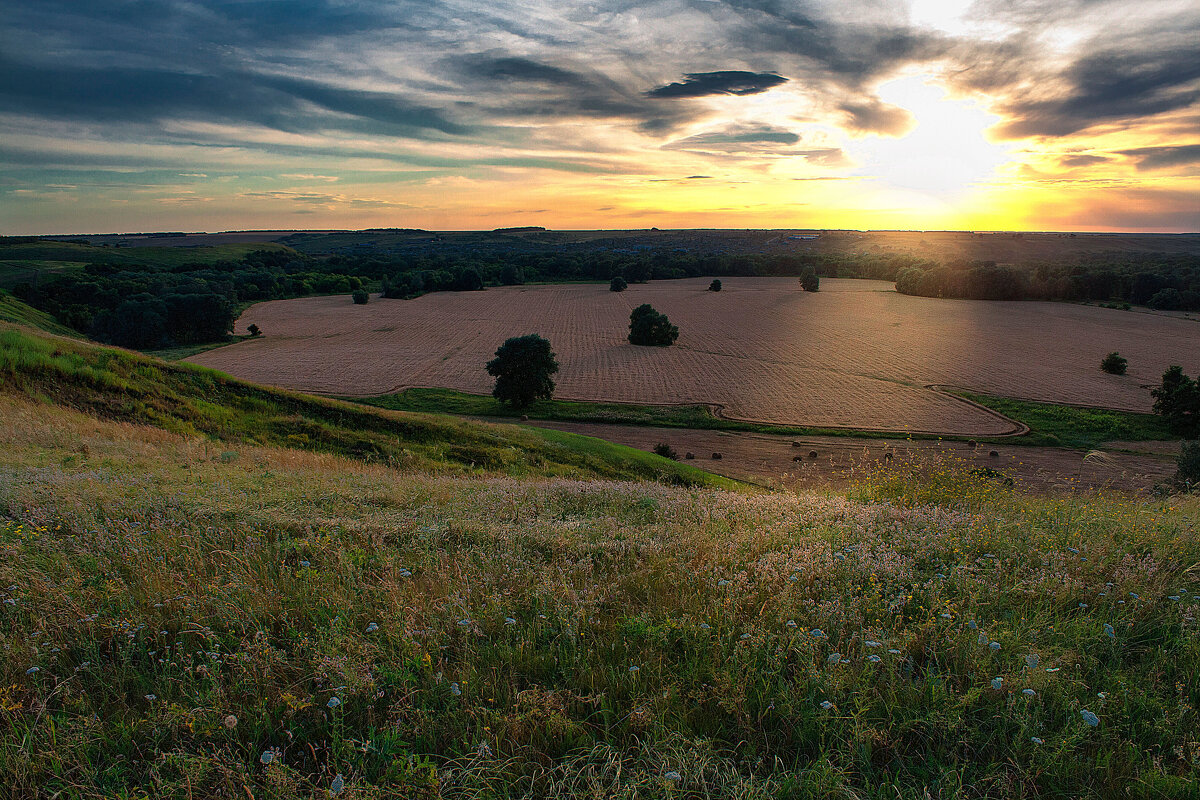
[{"x": 929, "y": 114}]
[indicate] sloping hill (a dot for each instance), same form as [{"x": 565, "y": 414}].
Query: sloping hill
[
  {"x": 14, "y": 311},
  {"x": 128, "y": 387}
]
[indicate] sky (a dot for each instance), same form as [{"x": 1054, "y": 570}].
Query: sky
[{"x": 211, "y": 115}]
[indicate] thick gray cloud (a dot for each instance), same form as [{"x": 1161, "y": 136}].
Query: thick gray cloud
[
  {"x": 1163, "y": 157},
  {"x": 728, "y": 81}
]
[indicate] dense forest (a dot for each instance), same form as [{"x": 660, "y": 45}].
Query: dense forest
[
  {"x": 127, "y": 296},
  {"x": 1164, "y": 282}
]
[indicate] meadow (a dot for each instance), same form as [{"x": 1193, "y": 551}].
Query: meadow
[
  {"x": 180, "y": 620},
  {"x": 854, "y": 355}
]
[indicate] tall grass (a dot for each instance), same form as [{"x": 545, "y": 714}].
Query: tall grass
[{"x": 190, "y": 621}]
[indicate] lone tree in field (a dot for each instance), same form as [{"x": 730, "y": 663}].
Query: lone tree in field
[
  {"x": 1114, "y": 364},
  {"x": 617, "y": 284},
  {"x": 522, "y": 368},
  {"x": 715, "y": 286},
  {"x": 1177, "y": 400},
  {"x": 809, "y": 282},
  {"x": 648, "y": 327},
  {"x": 360, "y": 297}
]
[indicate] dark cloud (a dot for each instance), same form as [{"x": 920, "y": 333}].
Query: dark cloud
[
  {"x": 148, "y": 95},
  {"x": 874, "y": 116},
  {"x": 1163, "y": 157},
  {"x": 1109, "y": 86},
  {"x": 729, "y": 81}
]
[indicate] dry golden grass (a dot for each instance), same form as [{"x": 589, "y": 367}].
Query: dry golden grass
[{"x": 855, "y": 354}]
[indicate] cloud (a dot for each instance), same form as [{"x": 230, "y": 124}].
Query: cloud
[
  {"x": 1108, "y": 86},
  {"x": 1163, "y": 157},
  {"x": 735, "y": 82},
  {"x": 875, "y": 116},
  {"x": 736, "y": 138}
]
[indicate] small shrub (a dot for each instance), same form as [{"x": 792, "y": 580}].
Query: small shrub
[
  {"x": 666, "y": 451},
  {"x": 617, "y": 284},
  {"x": 1187, "y": 472},
  {"x": 1114, "y": 364},
  {"x": 810, "y": 282},
  {"x": 254, "y": 330},
  {"x": 715, "y": 286},
  {"x": 360, "y": 297}
]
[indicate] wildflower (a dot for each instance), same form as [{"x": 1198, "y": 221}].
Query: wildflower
[
  {"x": 1109, "y": 632},
  {"x": 722, "y": 583},
  {"x": 510, "y": 620},
  {"x": 794, "y": 577},
  {"x": 1073, "y": 550},
  {"x": 994, "y": 645},
  {"x": 791, "y": 623},
  {"x": 825, "y": 704},
  {"x": 871, "y": 643},
  {"x": 944, "y": 615},
  {"x": 745, "y": 636},
  {"x": 1083, "y": 605},
  {"x": 874, "y": 659},
  {"x": 1134, "y": 595},
  {"x": 1102, "y": 695},
  {"x": 464, "y": 622},
  {"x": 337, "y": 784},
  {"x": 455, "y": 690},
  {"x": 267, "y": 756},
  {"x": 673, "y": 776},
  {"x": 1031, "y": 660},
  {"x": 982, "y": 638},
  {"x": 634, "y": 669},
  {"x": 1091, "y": 719},
  {"x": 230, "y": 722},
  {"x": 704, "y": 626},
  {"x": 817, "y": 633},
  {"x": 1053, "y": 669},
  {"x": 305, "y": 564},
  {"x": 833, "y": 658},
  {"x": 484, "y": 751},
  {"x": 1174, "y": 597},
  {"x": 894, "y": 651},
  {"x": 10, "y": 602},
  {"x": 32, "y": 670},
  {"x": 334, "y": 702},
  {"x": 1028, "y": 692},
  {"x": 997, "y": 683},
  {"x": 405, "y": 573},
  {"x": 372, "y": 628},
  {"x": 1036, "y": 740},
  {"x": 151, "y": 698},
  {"x": 972, "y": 624}
]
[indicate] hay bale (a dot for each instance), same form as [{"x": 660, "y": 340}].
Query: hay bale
[
  {"x": 994, "y": 454},
  {"x": 812, "y": 453},
  {"x": 716, "y": 456},
  {"x": 689, "y": 456}
]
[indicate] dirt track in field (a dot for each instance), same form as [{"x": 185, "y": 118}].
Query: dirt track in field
[
  {"x": 782, "y": 461},
  {"x": 856, "y": 354}
]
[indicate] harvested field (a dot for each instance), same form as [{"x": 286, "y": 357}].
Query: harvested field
[
  {"x": 787, "y": 461},
  {"x": 856, "y": 354}
]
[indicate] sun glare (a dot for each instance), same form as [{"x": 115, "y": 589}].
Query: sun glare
[{"x": 943, "y": 157}]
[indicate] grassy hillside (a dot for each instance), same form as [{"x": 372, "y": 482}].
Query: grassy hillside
[
  {"x": 14, "y": 311},
  {"x": 183, "y": 398},
  {"x": 179, "y": 622}
]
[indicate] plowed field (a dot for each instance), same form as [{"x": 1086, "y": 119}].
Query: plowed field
[{"x": 856, "y": 354}]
